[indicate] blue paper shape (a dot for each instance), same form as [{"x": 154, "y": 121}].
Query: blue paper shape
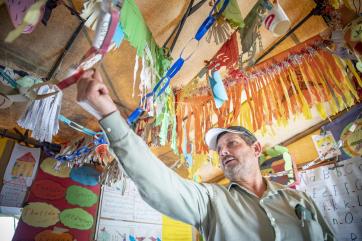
[
  {"x": 218, "y": 89},
  {"x": 131, "y": 238},
  {"x": 85, "y": 175},
  {"x": 118, "y": 35}
]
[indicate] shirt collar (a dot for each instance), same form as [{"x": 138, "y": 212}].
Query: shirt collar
[{"x": 271, "y": 187}]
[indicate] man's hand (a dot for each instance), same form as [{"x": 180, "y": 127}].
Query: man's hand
[{"x": 93, "y": 91}]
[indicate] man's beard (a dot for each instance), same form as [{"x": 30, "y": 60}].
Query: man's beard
[{"x": 235, "y": 173}]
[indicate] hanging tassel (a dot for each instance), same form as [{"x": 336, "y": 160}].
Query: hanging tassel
[
  {"x": 220, "y": 31},
  {"x": 41, "y": 116},
  {"x": 91, "y": 11}
]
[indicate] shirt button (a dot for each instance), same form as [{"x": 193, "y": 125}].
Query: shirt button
[{"x": 109, "y": 130}]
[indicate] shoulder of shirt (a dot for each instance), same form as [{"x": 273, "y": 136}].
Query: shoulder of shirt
[{"x": 287, "y": 189}]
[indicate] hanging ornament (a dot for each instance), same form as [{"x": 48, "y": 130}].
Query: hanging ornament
[{"x": 220, "y": 31}]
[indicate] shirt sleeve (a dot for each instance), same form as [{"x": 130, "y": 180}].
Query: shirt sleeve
[{"x": 158, "y": 185}]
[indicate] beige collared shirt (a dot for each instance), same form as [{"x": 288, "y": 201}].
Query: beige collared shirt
[{"x": 220, "y": 213}]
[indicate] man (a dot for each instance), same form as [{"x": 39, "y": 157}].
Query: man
[{"x": 251, "y": 208}]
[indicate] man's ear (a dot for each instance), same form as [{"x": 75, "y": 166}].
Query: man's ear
[{"x": 257, "y": 148}]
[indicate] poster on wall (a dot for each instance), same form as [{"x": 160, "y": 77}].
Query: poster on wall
[
  {"x": 338, "y": 194},
  {"x": 23, "y": 163},
  {"x": 326, "y": 146},
  {"x": 58, "y": 207},
  {"x": 125, "y": 216},
  {"x": 348, "y": 129}
]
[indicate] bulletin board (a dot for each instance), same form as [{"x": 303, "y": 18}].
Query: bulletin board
[{"x": 338, "y": 194}]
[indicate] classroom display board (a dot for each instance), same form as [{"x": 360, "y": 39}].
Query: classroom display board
[
  {"x": 338, "y": 195},
  {"x": 124, "y": 216},
  {"x": 62, "y": 204},
  {"x": 348, "y": 129},
  {"x": 19, "y": 170}
]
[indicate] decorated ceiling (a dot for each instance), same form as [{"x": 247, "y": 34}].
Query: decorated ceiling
[{"x": 238, "y": 50}]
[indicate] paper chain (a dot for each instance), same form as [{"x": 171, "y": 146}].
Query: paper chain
[{"x": 175, "y": 68}]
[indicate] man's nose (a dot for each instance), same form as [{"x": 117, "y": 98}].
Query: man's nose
[{"x": 224, "y": 151}]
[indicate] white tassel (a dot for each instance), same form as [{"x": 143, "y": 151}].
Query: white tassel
[
  {"x": 41, "y": 116},
  {"x": 91, "y": 11}
]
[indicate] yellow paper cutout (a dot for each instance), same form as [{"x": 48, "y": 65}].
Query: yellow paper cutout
[
  {"x": 173, "y": 230},
  {"x": 49, "y": 165},
  {"x": 38, "y": 214}
]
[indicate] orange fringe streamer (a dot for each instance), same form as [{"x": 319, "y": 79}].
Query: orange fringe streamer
[{"x": 319, "y": 80}]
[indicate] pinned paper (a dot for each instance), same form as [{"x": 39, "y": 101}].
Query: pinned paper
[
  {"x": 49, "y": 235},
  {"x": 76, "y": 218},
  {"x": 218, "y": 89},
  {"x": 47, "y": 189},
  {"x": 326, "y": 146},
  {"x": 39, "y": 214},
  {"x": 55, "y": 168},
  {"x": 85, "y": 175},
  {"x": 22, "y": 164},
  {"x": 80, "y": 196},
  {"x": 173, "y": 230}
]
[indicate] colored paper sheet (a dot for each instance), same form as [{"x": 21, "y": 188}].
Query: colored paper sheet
[
  {"x": 50, "y": 235},
  {"x": 85, "y": 175},
  {"x": 23, "y": 163},
  {"x": 218, "y": 89},
  {"x": 80, "y": 196},
  {"x": 76, "y": 218},
  {"x": 129, "y": 231},
  {"x": 326, "y": 146},
  {"x": 47, "y": 189},
  {"x": 173, "y": 230},
  {"x": 128, "y": 206},
  {"x": 39, "y": 214},
  {"x": 13, "y": 193},
  {"x": 52, "y": 167}
]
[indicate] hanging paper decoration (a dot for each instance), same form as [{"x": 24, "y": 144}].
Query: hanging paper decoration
[
  {"x": 25, "y": 15},
  {"x": 227, "y": 56},
  {"x": 289, "y": 85},
  {"x": 41, "y": 115},
  {"x": 134, "y": 26},
  {"x": 218, "y": 89}
]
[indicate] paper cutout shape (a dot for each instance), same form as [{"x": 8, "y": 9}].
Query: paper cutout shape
[
  {"x": 39, "y": 214},
  {"x": 326, "y": 146},
  {"x": 76, "y": 218},
  {"x": 24, "y": 166},
  {"x": 218, "y": 89},
  {"x": 49, "y": 235},
  {"x": 52, "y": 167},
  {"x": 85, "y": 175},
  {"x": 47, "y": 189},
  {"x": 80, "y": 196}
]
